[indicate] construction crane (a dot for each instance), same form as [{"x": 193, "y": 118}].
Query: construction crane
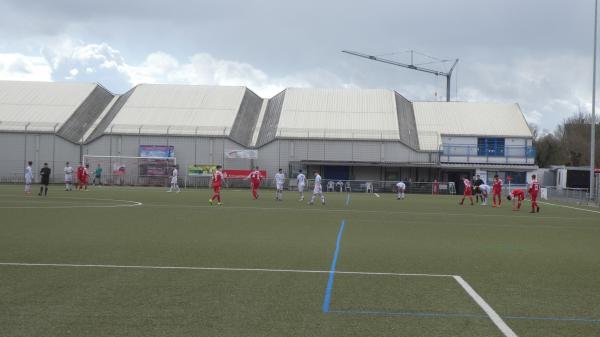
[{"x": 448, "y": 74}]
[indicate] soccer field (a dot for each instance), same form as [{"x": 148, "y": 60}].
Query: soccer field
[{"x": 142, "y": 262}]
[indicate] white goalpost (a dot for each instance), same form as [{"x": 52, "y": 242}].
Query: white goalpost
[{"x": 131, "y": 171}]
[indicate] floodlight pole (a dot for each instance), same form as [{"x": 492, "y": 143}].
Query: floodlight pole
[{"x": 593, "y": 121}]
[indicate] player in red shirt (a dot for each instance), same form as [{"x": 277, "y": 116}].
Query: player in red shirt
[
  {"x": 468, "y": 193},
  {"x": 217, "y": 181},
  {"x": 517, "y": 196},
  {"x": 534, "y": 189},
  {"x": 497, "y": 191},
  {"x": 255, "y": 178},
  {"x": 80, "y": 175},
  {"x": 86, "y": 176}
]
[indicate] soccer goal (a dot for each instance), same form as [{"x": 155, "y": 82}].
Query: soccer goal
[{"x": 131, "y": 171}]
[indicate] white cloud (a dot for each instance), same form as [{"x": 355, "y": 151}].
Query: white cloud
[
  {"x": 63, "y": 58},
  {"x": 19, "y": 67},
  {"x": 548, "y": 88},
  {"x": 205, "y": 69}
]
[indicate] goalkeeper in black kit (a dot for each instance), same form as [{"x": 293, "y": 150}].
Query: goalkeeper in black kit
[{"x": 45, "y": 174}]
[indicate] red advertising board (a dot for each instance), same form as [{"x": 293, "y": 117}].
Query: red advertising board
[{"x": 241, "y": 174}]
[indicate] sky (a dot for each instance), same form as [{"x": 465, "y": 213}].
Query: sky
[{"x": 535, "y": 53}]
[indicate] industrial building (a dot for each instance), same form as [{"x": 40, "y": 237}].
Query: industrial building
[{"x": 346, "y": 134}]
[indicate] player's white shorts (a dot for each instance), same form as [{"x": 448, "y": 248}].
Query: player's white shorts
[
  {"x": 279, "y": 186},
  {"x": 174, "y": 180},
  {"x": 318, "y": 189},
  {"x": 301, "y": 188},
  {"x": 68, "y": 178},
  {"x": 27, "y": 180}
]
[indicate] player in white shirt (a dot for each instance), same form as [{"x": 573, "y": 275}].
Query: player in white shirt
[
  {"x": 28, "y": 178},
  {"x": 485, "y": 191},
  {"x": 279, "y": 181},
  {"x": 174, "y": 184},
  {"x": 318, "y": 190},
  {"x": 301, "y": 180},
  {"x": 68, "y": 177},
  {"x": 401, "y": 187}
]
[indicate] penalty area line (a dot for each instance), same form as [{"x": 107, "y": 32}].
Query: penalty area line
[
  {"x": 504, "y": 328},
  {"x": 269, "y": 270}
]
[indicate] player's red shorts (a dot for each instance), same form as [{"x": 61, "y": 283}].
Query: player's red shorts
[
  {"x": 468, "y": 191},
  {"x": 217, "y": 189},
  {"x": 85, "y": 180},
  {"x": 534, "y": 196},
  {"x": 255, "y": 184},
  {"x": 496, "y": 191}
]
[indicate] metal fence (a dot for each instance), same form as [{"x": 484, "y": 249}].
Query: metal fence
[
  {"x": 579, "y": 196},
  {"x": 576, "y": 196},
  {"x": 334, "y": 185},
  {"x": 478, "y": 154}
]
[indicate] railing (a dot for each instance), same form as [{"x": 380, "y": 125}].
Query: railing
[
  {"x": 335, "y": 185},
  {"x": 579, "y": 196},
  {"x": 478, "y": 154}
]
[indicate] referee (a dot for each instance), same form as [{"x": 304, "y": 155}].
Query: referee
[
  {"x": 45, "y": 173},
  {"x": 477, "y": 183}
]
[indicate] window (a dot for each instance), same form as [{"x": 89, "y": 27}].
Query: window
[
  {"x": 490, "y": 147},
  {"x": 517, "y": 178}
]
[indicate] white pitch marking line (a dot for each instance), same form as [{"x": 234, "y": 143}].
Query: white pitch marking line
[
  {"x": 377, "y": 195},
  {"x": 504, "y": 328},
  {"x": 20, "y": 264},
  {"x": 326, "y": 210},
  {"x": 130, "y": 203},
  {"x": 571, "y": 207}
]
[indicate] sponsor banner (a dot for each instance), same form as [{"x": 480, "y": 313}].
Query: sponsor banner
[
  {"x": 200, "y": 170},
  {"x": 243, "y": 154},
  {"x": 241, "y": 174},
  {"x": 157, "y": 151},
  {"x": 119, "y": 169}
]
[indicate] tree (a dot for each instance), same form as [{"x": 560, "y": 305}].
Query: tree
[
  {"x": 569, "y": 145},
  {"x": 549, "y": 151}
]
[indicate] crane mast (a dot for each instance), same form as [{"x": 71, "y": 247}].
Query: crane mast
[{"x": 448, "y": 74}]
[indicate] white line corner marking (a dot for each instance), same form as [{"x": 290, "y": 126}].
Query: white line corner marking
[{"x": 506, "y": 330}]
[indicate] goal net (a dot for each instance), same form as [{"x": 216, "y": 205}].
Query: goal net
[{"x": 132, "y": 171}]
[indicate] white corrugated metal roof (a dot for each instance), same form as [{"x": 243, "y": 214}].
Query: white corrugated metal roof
[
  {"x": 339, "y": 113},
  {"x": 183, "y": 108},
  {"x": 44, "y": 105},
  {"x": 436, "y": 119}
]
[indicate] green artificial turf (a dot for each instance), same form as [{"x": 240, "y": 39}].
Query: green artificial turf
[{"x": 536, "y": 271}]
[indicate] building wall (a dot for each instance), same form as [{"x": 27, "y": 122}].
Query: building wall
[
  {"x": 189, "y": 150},
  {"x": 279, "y": 153},
  {"x": 19, "y": 148}
]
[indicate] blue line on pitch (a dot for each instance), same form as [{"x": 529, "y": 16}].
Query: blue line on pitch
[
  {"x": 327, "y": 299},
  {"x": 408, "y": 314},
  {"x": 571, "y": 319},
  {"x": 347, "y": 199},
  {"x": 466, "y": 315}
]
